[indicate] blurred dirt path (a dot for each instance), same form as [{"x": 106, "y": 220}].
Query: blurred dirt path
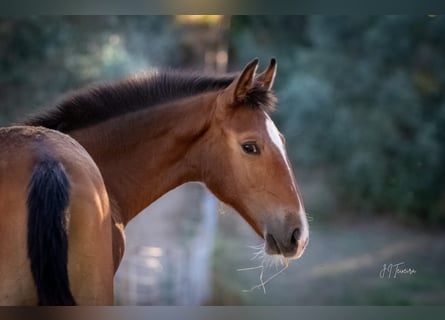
[{"x": 341, "y": 266}]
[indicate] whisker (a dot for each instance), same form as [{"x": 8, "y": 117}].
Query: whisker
[
  {"x": 261, "y": 280},
  {"x": 263, "y": 283},
  {"x": 258, "y": 255},
  {"x": 274, "y": 261},
  {"x": 247, "y": 269},
  {"x": 266, "y": 262},
  {"x": 258, "y": 251},
  {"x": 260, "y": 246}
]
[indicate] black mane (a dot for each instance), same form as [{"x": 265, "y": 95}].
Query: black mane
[{"x": 98, "y": 103}]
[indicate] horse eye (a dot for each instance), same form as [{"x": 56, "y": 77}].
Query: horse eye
[{"x": 251, "y": 148}]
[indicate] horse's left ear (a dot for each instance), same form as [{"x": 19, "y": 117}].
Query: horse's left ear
[
  {"x": 238, "y": 89},
  {"x": 267, "y": 78}
]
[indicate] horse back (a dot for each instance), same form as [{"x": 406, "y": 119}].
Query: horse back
[{"x": 22, "y": 151}]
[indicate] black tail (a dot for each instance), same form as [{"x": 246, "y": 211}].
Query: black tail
[{"x": 48, "y": 197}]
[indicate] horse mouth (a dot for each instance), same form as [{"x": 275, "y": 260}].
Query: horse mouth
[{"x": 292, "y": 251}]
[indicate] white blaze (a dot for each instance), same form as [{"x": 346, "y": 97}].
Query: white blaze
[{"x": 274, "y": 135}]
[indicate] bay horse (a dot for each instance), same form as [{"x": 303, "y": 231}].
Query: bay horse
[
  {"x": 51, "y": 194},
  {"x": 147, "y": 135}
]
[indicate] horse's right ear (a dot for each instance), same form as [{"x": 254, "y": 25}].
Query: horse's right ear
[
  {"x": 236, "y": 92},
  {"x": 267, "y": 78}
]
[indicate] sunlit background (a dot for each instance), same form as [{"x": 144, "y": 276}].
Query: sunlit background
[{"x": 362, "y": 106}]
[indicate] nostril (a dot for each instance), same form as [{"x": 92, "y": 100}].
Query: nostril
[{"x": 295, "y": 236}]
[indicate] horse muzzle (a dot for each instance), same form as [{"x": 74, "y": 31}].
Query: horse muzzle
[{"x": 290, "y": 244}]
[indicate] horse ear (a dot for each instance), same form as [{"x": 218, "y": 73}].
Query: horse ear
[
  {"x": 243, "y": 83},
  {"x": 267, "y": 78}
]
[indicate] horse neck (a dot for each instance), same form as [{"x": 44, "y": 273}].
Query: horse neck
[{"x": 145, "y": 154}]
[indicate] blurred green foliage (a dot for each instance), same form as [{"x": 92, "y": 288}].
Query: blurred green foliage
[
  {"x": 362, "y": 104},
  {"x": 362, "y": 101},
  {"x": 42, "y": 57}
]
